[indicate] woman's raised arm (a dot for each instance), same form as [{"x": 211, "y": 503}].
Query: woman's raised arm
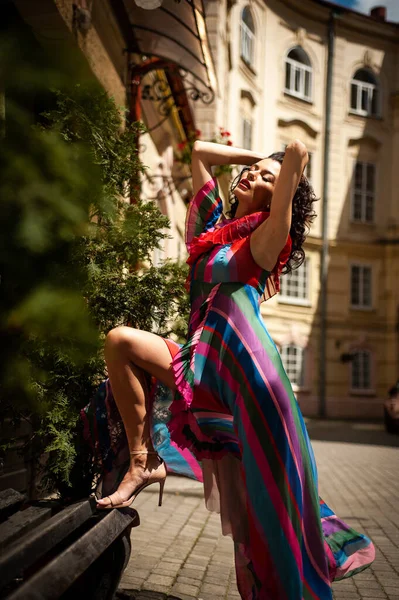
[
  {"x": 208, "y": 154},
  {"x": 270, "y": 237}
]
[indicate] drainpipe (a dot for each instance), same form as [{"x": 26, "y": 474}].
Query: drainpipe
[{"x": 325, "y": 248}]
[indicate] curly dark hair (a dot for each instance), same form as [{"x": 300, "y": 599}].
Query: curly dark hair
[{"x": 302, "y": 214}]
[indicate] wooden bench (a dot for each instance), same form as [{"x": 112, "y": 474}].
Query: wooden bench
[{"x": 49, "y": 552}]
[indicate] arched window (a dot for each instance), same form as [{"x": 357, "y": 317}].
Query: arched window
[
  {"x": 294, "y": 364},
  {"x": 365, "y": 96},
  {"x": 298, "y": 74},
  {"x": 247, "y": 36},
  {"x": 361, "y": 370}
]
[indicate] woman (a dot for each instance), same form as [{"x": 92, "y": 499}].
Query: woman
[{"x": 234, "y": 408}]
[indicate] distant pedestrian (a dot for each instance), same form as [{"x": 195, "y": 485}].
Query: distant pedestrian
[{"x": 234, "y": 408}]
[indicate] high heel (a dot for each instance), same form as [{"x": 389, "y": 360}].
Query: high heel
[
  {"x": 161, "y": 486},
  {"x": 154, "y": 477}
]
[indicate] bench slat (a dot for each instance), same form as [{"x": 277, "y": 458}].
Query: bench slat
[
  {"x": 25, "y": 552},
  {"x": 59, "y": 574},
  {"x": 22, "y": 522},
  {"x": 10, "y": 501}
]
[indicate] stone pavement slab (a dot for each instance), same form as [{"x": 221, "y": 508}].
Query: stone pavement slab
[{"x": 178, "y": 552}]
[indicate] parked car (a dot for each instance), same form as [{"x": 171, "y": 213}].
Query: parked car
[{"x": 391, "y": 410}]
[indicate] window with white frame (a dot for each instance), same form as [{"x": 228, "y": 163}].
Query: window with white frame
[
  {"x": 361, "y": 370},
  {"x": 295, "y": 285},
  {"x": 365, "y": 97},
  {"x": 363, "y": 193},
  {"x": 294, "y": 363},
  {"x": 247, "y": 133},
  {"x": 247, "y": 36},
  {"x": 361, "y": 286},
  {"x": 298, "y": 74}
]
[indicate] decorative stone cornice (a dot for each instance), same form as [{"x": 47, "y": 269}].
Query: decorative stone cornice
[
  {"x": 290, "y": 122},
  {"x": 249, "y": 96},
  {"x": 365, "y": 140}
]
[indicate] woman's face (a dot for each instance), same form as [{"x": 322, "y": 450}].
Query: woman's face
[{"x": 255, "y": 189}]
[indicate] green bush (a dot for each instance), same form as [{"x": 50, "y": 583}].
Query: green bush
[{"x": 75, "y": 261}]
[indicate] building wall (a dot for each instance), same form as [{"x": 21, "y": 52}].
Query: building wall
[
  {"x": 277, "y": 119},
  {"x": 103, "y": 47},
  {"x": 52, "y": 21},
  {"x": 102, "y": 44}
]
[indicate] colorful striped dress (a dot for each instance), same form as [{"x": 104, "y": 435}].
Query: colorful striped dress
[
  {"x": 236, "y": 412},
  {"x": 235, "y": 423}
]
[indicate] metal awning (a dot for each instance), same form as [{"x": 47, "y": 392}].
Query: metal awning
[{"x": 176, "y": 31}]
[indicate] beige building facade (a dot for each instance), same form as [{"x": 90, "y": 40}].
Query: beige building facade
[
  {"x": 272, "y": 62},
  {"x": 268, "y": 83}
]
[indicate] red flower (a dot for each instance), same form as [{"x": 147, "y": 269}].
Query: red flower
[
  {"x": 181, "y": 145},
  {"x": 198, "y": 133},
  {"x": 227, "y": 133},
  {"x": 229, "y": 143}
]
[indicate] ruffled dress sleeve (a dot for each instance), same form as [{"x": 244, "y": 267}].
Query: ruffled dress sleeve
[{"x": 203, "y": 212}]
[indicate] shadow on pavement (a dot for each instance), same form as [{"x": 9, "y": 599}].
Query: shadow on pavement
[{"x": 351, "y": 432}]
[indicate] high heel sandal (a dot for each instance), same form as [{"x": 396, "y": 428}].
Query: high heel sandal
[{"x": 152, "y": 478}]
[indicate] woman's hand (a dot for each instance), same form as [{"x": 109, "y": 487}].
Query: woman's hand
[
  {"x": 270, "y": 237},
  {"x": 299, "y": 149},
  {"x": 207, "y": 154}
]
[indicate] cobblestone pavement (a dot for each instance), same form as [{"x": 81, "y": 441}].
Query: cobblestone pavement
[{"x": 179, "y": 553}]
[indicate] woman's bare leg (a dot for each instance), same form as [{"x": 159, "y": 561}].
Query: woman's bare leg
[{"x": 130, "y": 354}]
